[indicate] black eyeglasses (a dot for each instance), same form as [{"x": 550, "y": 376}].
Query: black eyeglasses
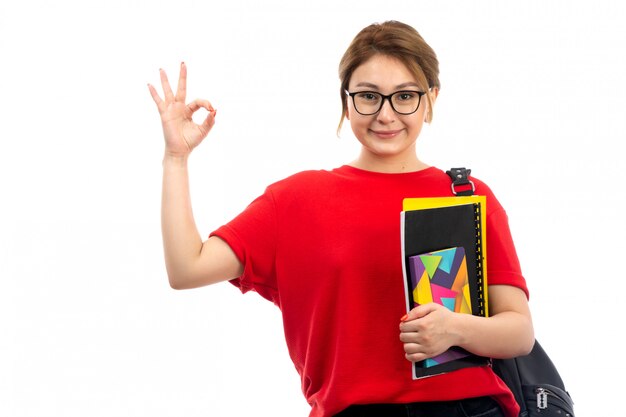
[{"x": 370, "y": 102}]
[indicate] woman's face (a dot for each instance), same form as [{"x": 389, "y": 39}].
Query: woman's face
[{"x": 386, "y": 136}]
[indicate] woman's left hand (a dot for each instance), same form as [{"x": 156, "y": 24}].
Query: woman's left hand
[{"x": 426, "y": 331}]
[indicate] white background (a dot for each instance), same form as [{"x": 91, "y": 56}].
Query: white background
[{"x": 532, "y": 99}]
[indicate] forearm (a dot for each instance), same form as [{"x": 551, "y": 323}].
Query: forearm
[
  {"x": 182, "y": 243},
  {"x": 502, "y": 335},
  {"x": 430, "y": 329}
]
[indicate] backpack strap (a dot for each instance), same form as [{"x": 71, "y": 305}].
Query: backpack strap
[{"x": 461, "y": 184}]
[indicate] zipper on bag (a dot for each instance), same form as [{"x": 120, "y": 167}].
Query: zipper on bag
[{"x": 542, "y": 399}]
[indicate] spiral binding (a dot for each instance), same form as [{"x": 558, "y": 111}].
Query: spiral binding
[{"x": 479, "y": 261}]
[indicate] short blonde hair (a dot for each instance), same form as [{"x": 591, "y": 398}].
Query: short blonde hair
[{"x": 397, "y": 40}]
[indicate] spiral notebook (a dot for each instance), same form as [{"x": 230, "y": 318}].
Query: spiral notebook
[{"x": 443, "y": 251}]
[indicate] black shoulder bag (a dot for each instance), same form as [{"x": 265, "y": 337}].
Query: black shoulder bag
[{"x": 533, "y": 379}]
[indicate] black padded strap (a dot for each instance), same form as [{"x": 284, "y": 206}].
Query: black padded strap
[{"x": 461, "y": 184}]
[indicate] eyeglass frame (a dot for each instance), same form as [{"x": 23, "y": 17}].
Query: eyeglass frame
[{"x": 388, "y": 98}]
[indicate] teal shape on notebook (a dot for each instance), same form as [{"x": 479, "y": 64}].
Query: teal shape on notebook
[
  {"x": 448, "y": 303},
  {"x": 447, "y": 258},
  {"x": 430, "y": 362}
]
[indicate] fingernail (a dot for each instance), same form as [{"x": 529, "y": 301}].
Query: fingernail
[{"x": 406, "y": 316}]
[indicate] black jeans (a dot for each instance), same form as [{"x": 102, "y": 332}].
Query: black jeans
[{"x": 471, "y": 407}]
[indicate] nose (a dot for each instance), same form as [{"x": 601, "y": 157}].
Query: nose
[{"x": 386, "y": 114}]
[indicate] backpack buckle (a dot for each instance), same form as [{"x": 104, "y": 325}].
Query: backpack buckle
[{"x": 460, "y": 180}]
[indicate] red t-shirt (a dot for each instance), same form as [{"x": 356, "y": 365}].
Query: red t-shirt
[{"x": 324, "y": 246}]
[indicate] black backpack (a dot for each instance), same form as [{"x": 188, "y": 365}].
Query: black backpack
[{"x": 533, "y": 379}]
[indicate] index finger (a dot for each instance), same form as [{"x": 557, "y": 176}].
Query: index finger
[
  {"x": 418, "y": 312},
  {"x": 198, "y": 103}
]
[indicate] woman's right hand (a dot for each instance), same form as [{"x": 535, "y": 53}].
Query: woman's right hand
[{"x": 181, "y": 133}]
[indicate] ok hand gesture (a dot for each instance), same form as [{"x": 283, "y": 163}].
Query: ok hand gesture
[{"x": 181, "y": 133}]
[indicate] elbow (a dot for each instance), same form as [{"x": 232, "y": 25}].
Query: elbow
[
  {"x": 181, "y": 276},
  {"x": 518, "y": 346},
  {"x": 176, "y": 284},
  {"x": 525, "y": 349},
  {"x": 518, "y": 342},
  {"x": 528, "y": 347},
  {"x": 179, "y": 281},
  {"x": 528, "y": 341}
]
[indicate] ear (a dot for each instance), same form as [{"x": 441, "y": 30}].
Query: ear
[{"x": 433, "y": 93}]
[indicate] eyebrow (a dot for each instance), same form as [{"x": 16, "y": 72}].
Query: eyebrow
[{"x": 400, "y": 86}]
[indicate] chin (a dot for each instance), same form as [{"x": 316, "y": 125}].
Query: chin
[{"x": 388, "y": 149}]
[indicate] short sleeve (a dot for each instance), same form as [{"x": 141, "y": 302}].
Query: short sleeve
[
  {"x": 503, "y": 267},
  {"x": 252, "y": 236}
]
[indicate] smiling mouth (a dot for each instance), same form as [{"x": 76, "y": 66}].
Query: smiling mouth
[{"x": 386, "y": 133}]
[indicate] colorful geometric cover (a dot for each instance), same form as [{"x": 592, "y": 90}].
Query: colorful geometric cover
[{"x": 441, "y": 277}]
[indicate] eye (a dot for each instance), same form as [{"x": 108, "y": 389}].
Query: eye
[
  {"x": 406, "y": 95},
  {"x": 368, "y": 96}
]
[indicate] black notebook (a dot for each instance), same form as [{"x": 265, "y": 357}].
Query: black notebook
[{"x": 443, "y": 250}]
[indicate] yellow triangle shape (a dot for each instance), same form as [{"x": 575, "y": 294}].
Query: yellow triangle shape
[
  {"x": 422, "y": 294},
  {"x": 467, "y": 297},
  {"x": 464, "y": 307}
]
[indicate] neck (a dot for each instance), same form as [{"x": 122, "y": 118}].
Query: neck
[{"x": 369, "y": 162}]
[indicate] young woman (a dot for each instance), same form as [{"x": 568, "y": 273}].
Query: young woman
[{"x": 324, "y": 247}]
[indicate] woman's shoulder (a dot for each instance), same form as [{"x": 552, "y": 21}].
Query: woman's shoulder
[
  {"x": 481, "y": 188},
  {"x": 300, "y": 184},
  {"x": 479, "y": 185},
  {"x": 303, "y": 178}
]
